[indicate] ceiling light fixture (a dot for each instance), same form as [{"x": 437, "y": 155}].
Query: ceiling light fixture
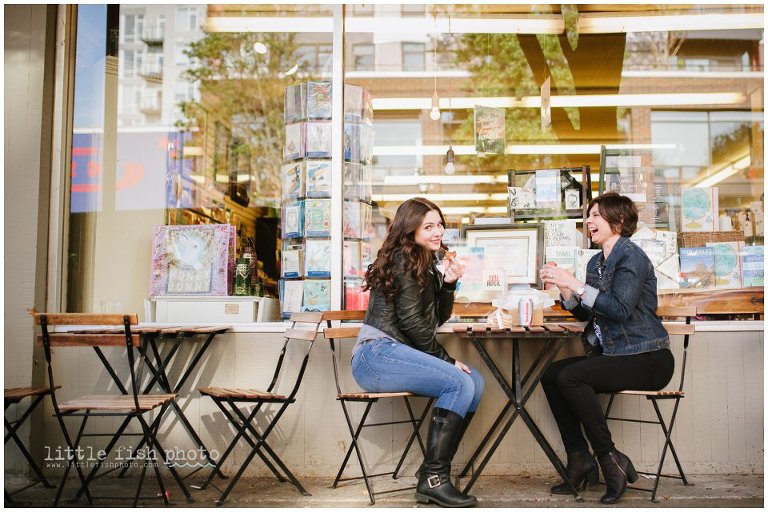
[
  {"x": 259, "y": 48},
  {"x": 434, "y": 113},
  {"x": 598, "y": 23},
  {"x": 725, "y": 173},
  {"x": 291, "y": 71},
  {"x": 579, "y": 100}
]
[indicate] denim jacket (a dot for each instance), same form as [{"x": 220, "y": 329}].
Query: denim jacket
[{"x": 625, "y": 301}]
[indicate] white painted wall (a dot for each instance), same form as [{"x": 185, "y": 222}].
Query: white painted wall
[
  {"x": 720, "y": 422},
  {"x": 26, "y": 176}
]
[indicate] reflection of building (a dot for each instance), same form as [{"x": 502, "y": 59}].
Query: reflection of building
[{"x": 152, "y": 42}]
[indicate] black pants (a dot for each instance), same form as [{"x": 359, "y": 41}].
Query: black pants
[{"x": 572, "y": 385}]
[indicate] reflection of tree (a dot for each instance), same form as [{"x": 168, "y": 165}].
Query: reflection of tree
[
  {"x": 735, "y": 142},
  {"x": 243, "y": 90},
  {"x": 498, "y": 67}
]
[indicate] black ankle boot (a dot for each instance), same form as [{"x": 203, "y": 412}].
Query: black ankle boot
[
  {"x": 435, "y": 480},
  {"x": 581, "y": 469},
  {"x": 617, "y": 471},
  {"x": 462, "y": 430}
]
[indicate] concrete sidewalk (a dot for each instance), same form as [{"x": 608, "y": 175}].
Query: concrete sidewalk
[{"x": 528, "y": 491}]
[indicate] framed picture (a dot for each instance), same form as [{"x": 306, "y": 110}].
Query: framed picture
[{"x": 514, "y": 250}]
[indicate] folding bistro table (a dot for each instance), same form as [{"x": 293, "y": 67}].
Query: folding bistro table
[
  {"x": 152, "y": 338},
  {"x": 554, "y": 336}
]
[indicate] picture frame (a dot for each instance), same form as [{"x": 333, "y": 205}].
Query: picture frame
[{"x": 507, "y": 245}]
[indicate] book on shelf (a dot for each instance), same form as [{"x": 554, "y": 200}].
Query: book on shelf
[
  {"x": 564, "y": 256},
  {"x": 727, "y": 263},
  {"x": 752, "y": 266},
  {"x": 697, "y": 267},
  {"x": 699, "y": 209}
]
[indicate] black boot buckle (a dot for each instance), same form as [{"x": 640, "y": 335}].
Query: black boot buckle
[{"x": 434, "y": 481}]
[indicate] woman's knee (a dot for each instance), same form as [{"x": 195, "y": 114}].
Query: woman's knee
[{"x": 478, "y": 381}]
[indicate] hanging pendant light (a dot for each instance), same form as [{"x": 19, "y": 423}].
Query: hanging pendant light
[
  {"x": 434, "y": 114},
  {"x": 449, "y": 167}
]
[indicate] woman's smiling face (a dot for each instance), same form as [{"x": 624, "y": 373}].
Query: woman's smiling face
[
  {"x": 430, "y": 233},
  {"x": 599, "y": 228}
]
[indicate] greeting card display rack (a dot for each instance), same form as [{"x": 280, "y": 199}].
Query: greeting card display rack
[{"x": 305, "y": 283}]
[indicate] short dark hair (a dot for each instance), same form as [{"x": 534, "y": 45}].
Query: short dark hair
[{"x": 619, "y": 211}]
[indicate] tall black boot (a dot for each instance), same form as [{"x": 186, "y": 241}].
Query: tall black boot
[
  {"x": 462, "y": 430},
  {"x": 435, "y": 480},
  {"x": 581, "y": 469},
  {"x": 617, "y": 471}
]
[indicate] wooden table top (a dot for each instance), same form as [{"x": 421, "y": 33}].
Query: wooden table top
[{"x": 545, "y": 330}]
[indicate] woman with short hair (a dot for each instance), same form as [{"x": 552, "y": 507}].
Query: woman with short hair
[{"x": 626, "y": 345}]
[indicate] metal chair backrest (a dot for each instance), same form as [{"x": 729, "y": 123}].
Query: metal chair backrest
[
  {"x": 332, "y": 334},
  {"x": 304, "y": 327},
  {"x": 117, "y": 333},
  {"x": 676, "y": 328}
]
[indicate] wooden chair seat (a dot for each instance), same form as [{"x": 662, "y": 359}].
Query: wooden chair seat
[
  {"x": 116, "y": 402},
  {"x": 17, "y": 394},
  {"x": 247, "y": 393},
  {"x": 362, "y": 395},
  {"x": 657, "y": 394}
]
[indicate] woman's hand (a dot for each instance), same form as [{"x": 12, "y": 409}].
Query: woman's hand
[
  {"x": 461, "y": 366},
  {"x": 564, "y": 280},
  {"x": 453, "y": 270}
]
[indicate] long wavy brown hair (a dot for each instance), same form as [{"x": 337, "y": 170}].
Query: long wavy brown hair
[{"x": 382, "y": 273}]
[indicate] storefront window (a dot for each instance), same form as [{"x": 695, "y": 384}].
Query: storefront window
[
  {"x": 179, "y": 123},
  {"x": 676, "y": 97},
  {"x": 509, "y": 117}
]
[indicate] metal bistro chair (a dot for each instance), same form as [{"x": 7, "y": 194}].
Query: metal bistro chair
[
  {"x": 129, "y": 404},
  {"x": 234, "y": 402},
  {"x": 14, "y": 396},
  {"x": 345, "y": 398},
  {"x": 676, "y": 328}
]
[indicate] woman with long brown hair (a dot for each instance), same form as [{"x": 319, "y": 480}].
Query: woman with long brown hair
[{"x": 411, "y": 295}]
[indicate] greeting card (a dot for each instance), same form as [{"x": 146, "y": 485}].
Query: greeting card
[
  {"x": 317, "y": 217},
  {"x": 317, "y": 295},
  {"x": 318, "y": 178},
  {"x": 318, "y": 140},
  {"x": 293, "y": 180},
  {"x": 294, "y": 141},
  {"x": 317, "y": 262},
  {"x": 319, "y": 105}
]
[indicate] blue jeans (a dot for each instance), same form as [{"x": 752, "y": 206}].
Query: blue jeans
[{"x": 384, "y": 365}]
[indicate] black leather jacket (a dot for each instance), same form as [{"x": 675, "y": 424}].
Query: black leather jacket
[{"x": 412, "y": 317}]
